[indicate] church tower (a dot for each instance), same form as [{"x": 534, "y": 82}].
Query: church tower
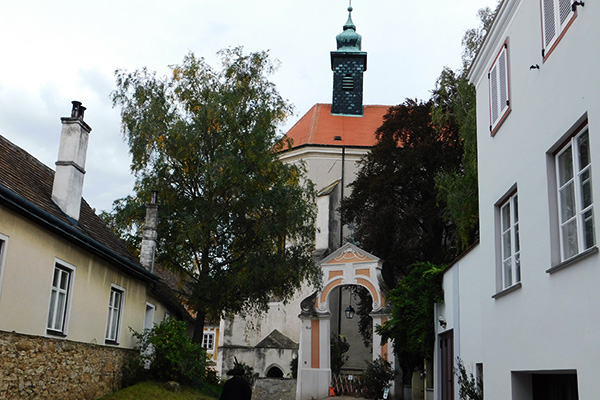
[{"x": 348, "y": 64}]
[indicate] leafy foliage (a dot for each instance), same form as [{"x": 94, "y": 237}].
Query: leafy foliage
[
  {"x": 294, "y": 367},
  {"x": 394, "y": 203},
  {"x": 171, "y": 355},
  {"x": 238, "y": 221},
  {"x": 469, "y": 386},
  {"x": 339, "y": 352},
  {"x": 364, "y": 310},
  {"x": 413, "y": 301},
  {"x": 454, "y": 104},
  {"x": 248, "y": 375},
  {"x": 473, "y": 38},
  {"x": 376, "y": 378}
]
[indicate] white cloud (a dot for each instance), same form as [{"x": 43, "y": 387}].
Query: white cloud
[{"x": 55, "y": 52}]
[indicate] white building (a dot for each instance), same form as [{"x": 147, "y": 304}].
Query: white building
[{"x": 519, "y": 305}]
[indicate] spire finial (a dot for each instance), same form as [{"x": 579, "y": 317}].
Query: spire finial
[{"x": 349, "y": 40}]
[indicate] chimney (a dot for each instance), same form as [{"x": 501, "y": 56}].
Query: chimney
[
  {"x": 70, "y": 167},
  {"x": 150, "y": 234}
]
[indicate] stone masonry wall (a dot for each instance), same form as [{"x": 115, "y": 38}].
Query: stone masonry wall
[
  {"x": 34, "y": 367},
  {"x": 274, "y": 389}
]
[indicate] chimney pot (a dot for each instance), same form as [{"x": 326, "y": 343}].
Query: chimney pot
[{"x": 78, "y": 110}]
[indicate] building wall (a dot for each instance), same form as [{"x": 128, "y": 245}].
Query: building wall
[
  {"x": 31, "y": 253},
  {"x": 544, "y": 324},
  {"x": 274, "y": 389},
  {"x": 43, "y": 368},
  {"x": 324, "y": 167}
]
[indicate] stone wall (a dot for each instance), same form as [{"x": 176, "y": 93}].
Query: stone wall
[
  {"x": 274, "y": 389},
  {"x": 34, "y": 367}
]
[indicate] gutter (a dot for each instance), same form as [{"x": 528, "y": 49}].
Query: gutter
[{"x": 52, "y": 223}]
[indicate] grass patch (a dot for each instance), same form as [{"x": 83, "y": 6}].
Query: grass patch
[{"x": 153, "y": 390}]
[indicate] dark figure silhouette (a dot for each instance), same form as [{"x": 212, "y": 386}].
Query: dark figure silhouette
[{"x": 236, "y": 388}]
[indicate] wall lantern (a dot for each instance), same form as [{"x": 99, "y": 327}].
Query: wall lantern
[
  {"x": 442, "y": 322},
  {"x": 350, "y": 312}
]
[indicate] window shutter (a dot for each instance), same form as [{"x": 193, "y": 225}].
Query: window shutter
[
  {"x": 556, "y": 15},
  {"x": 503, "y": 81},
  {"x": 549, "y": 20},
  {"x": 494, "y": 93},
  {"x": 566, "y": 11},
  {"x": 498, "y": 81}
]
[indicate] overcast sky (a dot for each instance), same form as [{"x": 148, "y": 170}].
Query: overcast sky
[{"x": 53, "y": 52}]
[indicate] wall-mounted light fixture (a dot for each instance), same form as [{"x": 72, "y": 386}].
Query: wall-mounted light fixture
[{"x": 442, "y": 321}]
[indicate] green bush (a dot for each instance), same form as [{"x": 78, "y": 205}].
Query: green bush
[
  {"x": 249, "y": 375},
  {"x": 294, "y": 367},
  {"x": 339, "y": 349},
  {"x": 469, "y": 386},
  {"x": 376, "y": 378},
  {"x": 170, "y": 354}
]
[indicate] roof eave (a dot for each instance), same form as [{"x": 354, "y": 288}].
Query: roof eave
[{"x": 29, "y": 210}]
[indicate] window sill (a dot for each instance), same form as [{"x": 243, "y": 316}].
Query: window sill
[
  {"x": 573, "y": 260},
  {"x": 111, "y": 342},
  {"x": 50, "y": 332},
  {"x": 508, "y": 290}
]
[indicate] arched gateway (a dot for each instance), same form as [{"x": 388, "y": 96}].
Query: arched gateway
[{"x": 349, "y": 265}]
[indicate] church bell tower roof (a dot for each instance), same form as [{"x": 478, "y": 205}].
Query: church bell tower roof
[{"x": 349, "y": 40}]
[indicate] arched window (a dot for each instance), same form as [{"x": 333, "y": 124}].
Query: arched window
[{"x": 274, "y": 372}]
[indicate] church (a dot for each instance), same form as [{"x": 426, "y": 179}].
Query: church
[{"x": 330, "y": 139}]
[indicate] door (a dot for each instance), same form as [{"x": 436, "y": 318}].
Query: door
[{"x": 447, "y": 365}]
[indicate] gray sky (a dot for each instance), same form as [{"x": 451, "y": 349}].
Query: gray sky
[{"x": 53, "y": 52}]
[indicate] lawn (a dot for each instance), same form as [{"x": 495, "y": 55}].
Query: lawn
[{"x": 153, "y": 390}]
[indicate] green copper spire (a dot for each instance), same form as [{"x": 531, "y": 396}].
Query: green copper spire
[
  {"x": 349, "y": 40},
  {"x": 348, "y": 64}
]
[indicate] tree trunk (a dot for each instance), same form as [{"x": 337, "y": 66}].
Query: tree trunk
[{"x": 199, "y": 327}]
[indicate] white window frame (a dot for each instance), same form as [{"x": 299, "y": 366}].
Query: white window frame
[
  {"x": 574, "y": 196},
  {"x": 3, "y": 251},
  {"x": 149, "y": 316},
  {"x": 208, "y": 344},
  {"x": 58, "y": 324},
  {"x": 510, "y": 246},
  {"x": 115, "y": 306},
  {"x": 557, "y": 16},
  {"x": 499, "y": 89}
]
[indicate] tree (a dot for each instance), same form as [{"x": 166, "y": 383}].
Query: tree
[
  {"x": 233, "y": 218},
  {"x": 394, "y": 202},
  {"x": 410, "y": 326},
  {"x": 454, "y": 103}
]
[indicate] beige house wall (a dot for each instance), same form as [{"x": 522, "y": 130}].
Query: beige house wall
[{"x": 31, "y": 253}]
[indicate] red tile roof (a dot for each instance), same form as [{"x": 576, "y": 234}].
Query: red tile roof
[{"x": 319, "y": 127}]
